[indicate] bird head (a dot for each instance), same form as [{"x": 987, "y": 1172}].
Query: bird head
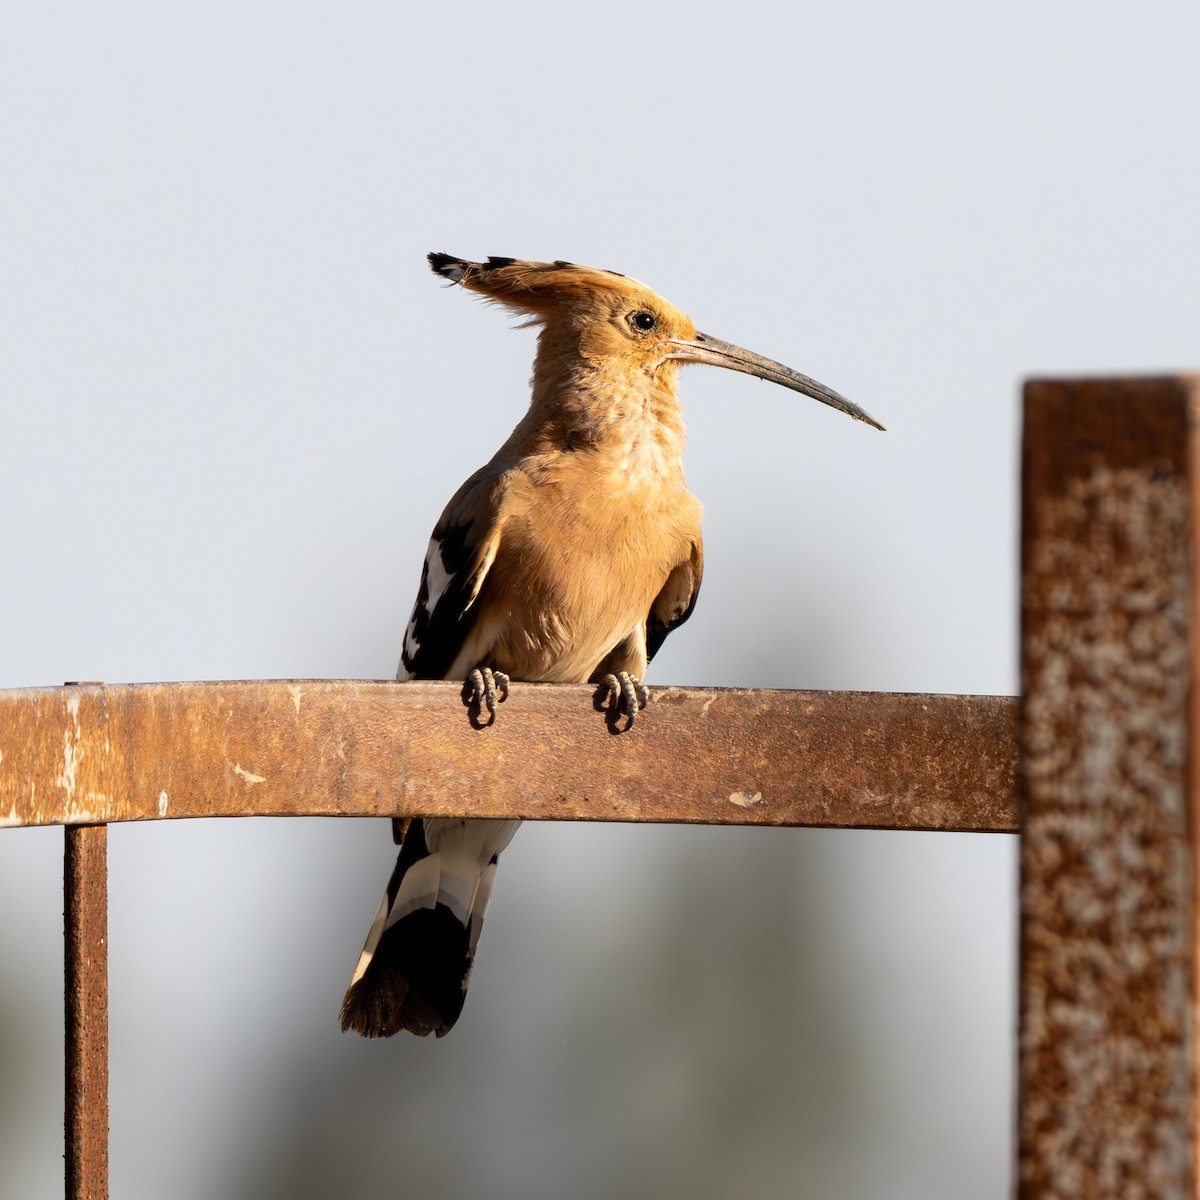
[{"x": 618, "y": 324}]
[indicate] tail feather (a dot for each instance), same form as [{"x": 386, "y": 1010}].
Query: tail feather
[{"x": 413, "y": 971}]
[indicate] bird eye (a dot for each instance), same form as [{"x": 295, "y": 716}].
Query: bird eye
[{"x": 643, "y": 320}]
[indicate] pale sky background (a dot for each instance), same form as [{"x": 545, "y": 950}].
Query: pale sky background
[{"x": 235, "y": 400}]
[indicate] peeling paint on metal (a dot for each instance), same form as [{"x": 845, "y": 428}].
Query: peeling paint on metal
[
  {"x": 72, "y": 751},
  {"x": 745, "y": 799},
  {"x": 66, "y": 777}
]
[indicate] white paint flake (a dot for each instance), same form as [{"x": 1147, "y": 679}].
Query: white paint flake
[
  {"x": 745, "y": 799},
  {"x": 238, "y": 769},
  {"x": 296, "y": 692},
  {"x": 162, "y": 803},
  {"x": 66, "y": 777}
]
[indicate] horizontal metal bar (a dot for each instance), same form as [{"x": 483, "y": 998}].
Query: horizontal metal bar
[{"x": 88, "y": 754}]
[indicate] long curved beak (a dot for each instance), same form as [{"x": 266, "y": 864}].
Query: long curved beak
[{"x": 705, "y": 349}]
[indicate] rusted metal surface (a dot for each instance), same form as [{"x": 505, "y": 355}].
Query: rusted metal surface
[
  {"x": 1192, "y": 782},
  {"x": 870, "y": 760},
  {"x": 85, "y": 888},
  {"x": 1107, "y": 946}
]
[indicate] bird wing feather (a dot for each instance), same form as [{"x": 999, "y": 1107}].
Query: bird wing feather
[
  {"x": 460, "y": 554},
  {"x": 674, "y": 603}
]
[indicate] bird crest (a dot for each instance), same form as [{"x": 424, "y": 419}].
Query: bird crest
[{"x": 531, "y": 286}]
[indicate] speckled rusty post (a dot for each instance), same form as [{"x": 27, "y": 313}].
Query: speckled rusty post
[
  {"x": 85, "y": 879},
  {"x": 1107, "y": 940}
]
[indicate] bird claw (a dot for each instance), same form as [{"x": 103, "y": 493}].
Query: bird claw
[
  {"x": 627, "y": 694},
  {"x": 484, "y": 688}
]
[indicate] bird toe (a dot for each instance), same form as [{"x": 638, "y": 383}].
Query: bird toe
[
  {"x": 485, "y": 688},
  {"x": 626, "y": 694}
]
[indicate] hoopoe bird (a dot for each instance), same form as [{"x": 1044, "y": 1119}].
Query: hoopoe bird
[{"x": 566, "y": 559}]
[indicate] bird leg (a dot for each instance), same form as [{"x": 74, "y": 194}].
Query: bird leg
[
  {"x": 626, "y": 693},
  {"x": 484, "y": 688}
]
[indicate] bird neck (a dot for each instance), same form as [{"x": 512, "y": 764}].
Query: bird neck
[{"x": 606, "y": 406}]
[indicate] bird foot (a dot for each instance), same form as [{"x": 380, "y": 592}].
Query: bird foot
[
  {"x": 625, "y": 694},
  {"x": 484, "y": 688}
]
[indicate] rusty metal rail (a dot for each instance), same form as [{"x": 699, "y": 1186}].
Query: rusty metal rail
[
  {"x": 89, "y": 754},
  {"x": 1107, "y": 735}
]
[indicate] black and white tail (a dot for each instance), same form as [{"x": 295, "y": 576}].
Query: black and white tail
[{"x": 413, "y": 971}]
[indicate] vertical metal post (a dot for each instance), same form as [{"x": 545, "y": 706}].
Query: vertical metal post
[
  {"x": 1108, "y": 761},
  {"x": 85, "y": 887}
]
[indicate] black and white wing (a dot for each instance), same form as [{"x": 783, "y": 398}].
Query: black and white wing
[
  {"x": 413, "y": 970},
  {"x": 460, "y": 554}
]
